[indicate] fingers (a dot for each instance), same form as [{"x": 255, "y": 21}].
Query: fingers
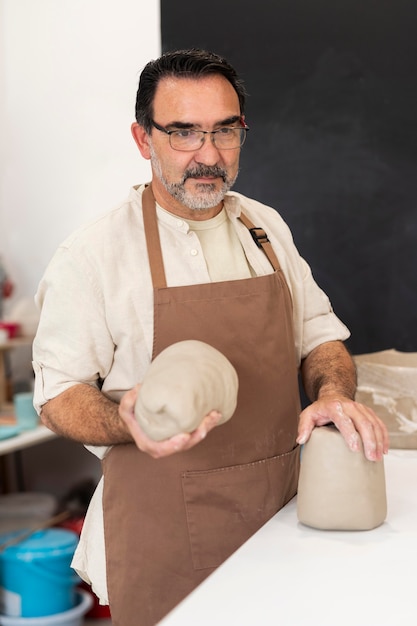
[
  {"x": 356, "y": 422},
  {"x": 180, "y": 442},
  {"x": 160, "y": 449},
  {"x": 371, "y": 429},
  {"x": 209, "y": 422}
]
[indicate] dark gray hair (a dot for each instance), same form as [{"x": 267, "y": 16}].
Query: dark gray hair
[{"x": 193, "y": 63}]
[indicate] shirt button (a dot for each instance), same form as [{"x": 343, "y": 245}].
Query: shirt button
[
  {"x": 180, "y": 223},
  {"x": 193, "y": 252}
]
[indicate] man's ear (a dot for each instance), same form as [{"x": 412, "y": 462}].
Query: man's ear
[{"x": 141, "y": 138}]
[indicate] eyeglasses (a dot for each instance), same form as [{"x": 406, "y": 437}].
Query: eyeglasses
[{"x": 188, "y": 139}]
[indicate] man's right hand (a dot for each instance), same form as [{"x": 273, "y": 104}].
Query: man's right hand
[{"x": 159, "y": 449}]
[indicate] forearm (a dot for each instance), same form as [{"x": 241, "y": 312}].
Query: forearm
[
  {"x": 329, "y": 370},
  {"x": 85, "y": 414}
]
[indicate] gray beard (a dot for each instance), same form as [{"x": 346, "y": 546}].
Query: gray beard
[{"x": 207, "y": 196}]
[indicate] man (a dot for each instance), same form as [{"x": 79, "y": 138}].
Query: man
[{"x": 184, "y": 258}]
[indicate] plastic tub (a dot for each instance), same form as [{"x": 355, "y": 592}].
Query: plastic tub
[
  {"x": 35, "y": 575},
  {"x": 73, "y": 617}
]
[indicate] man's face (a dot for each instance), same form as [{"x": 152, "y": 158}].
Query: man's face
[{"x": 196, "y": 181}]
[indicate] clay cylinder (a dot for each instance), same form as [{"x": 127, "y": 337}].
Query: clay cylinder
[
  {"x": 339, "y": 489},
  {"x": 183, "y": 384}
]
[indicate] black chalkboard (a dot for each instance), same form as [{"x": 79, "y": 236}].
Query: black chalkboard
[{"x": 333, "y": 141}]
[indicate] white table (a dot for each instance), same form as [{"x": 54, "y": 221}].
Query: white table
[{"x": 291, "y": 575}]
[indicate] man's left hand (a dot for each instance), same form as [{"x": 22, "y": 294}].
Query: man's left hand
[{"x": 355, "y": 421}]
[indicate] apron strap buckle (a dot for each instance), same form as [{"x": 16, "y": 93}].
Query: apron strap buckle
[{"x": 259, "y": 236}]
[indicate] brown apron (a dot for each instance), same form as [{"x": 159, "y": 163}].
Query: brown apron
[{"x": 170, "y": 522}]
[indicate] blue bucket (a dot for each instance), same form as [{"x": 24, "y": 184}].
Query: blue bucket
[{"x": 35, "y": 575}]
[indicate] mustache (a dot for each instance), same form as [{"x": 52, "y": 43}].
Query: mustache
[{"x": 204, "y": 171}]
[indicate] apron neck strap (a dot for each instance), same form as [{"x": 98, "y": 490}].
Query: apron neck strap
[
  {"x": 261, "y": 239},
  {"x": 153, "y": 242}
]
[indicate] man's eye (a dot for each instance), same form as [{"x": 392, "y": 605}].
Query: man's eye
[
  {"x": 185, "y": 134},
  {"x": 226, "y": 131}
]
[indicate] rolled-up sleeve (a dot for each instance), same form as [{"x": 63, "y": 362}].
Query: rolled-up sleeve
[
  {"x": 316, "y": 320},
  {"x": 72, "y": 344}
]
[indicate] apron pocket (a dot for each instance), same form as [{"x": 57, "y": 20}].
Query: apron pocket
[{"x": 228, "y": 505}]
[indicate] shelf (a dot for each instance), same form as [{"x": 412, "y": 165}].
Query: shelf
[
  {"x": 26, "y": 439},
  {"x": 11, "y": 468}
]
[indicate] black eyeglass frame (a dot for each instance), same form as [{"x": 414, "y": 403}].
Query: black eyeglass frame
[{"x": 162, "y": 129}]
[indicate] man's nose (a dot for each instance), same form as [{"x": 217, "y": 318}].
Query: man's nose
[{"x": 207, "y": 153}]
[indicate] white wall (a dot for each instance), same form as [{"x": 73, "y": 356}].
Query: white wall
[{"x": 68, "y": 77}]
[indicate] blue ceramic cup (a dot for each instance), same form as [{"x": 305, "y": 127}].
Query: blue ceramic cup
[{"x": 26, "y": 416}]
